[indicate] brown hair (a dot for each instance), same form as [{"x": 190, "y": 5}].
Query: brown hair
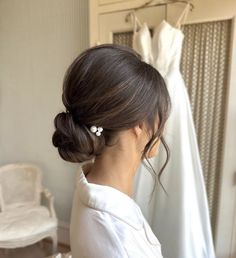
[{"x": 109, "y": 86}]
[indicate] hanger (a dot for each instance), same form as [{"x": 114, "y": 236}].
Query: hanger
[{"x": 160, "y": 3}]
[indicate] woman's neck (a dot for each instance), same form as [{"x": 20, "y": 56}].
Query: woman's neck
[{"x": 117, "y": 171}]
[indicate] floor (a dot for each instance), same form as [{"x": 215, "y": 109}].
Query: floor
[{"x": 39, "y": 250}]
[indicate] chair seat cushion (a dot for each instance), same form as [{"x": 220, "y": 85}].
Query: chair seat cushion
[{"x": 23, "y": 222}]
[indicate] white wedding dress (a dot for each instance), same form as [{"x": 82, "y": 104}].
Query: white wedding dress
[{"x": 180, "y": 220}]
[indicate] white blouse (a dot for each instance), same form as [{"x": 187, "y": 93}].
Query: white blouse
[{"x": 107, "y": 223}]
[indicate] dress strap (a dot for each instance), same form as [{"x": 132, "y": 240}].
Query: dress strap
[
  {"x": 136, "y": 21},
  {"x": 183, "y": 17}
]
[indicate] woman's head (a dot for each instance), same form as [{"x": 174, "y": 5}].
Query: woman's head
[{"x": 109, "y": 86}]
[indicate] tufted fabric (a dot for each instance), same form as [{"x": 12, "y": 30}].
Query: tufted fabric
[{"x": 24, "y": 222}]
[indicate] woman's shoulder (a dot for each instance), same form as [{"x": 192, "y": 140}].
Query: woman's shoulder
[
  {"x": 102, "y": 234},
  {"x": 91, "y": 220},
  {"x": 96, "y": 237}
]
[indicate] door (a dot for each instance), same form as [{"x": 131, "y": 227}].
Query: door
[{"x": 111, "y": 26}]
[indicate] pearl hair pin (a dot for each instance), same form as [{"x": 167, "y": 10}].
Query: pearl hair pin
[{"x": 96, "y": 130}]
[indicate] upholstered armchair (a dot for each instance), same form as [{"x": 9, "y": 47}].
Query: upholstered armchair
[{"x": 23, "y": 219}]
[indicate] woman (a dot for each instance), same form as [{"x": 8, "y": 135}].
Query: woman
[{"x": 116, "y": 109}]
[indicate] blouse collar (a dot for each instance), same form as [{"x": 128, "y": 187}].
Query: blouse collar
[{"x": 109, "y": 199}]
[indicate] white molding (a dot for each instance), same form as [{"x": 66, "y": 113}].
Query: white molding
[
  {"x": 63, "y": 232},
  {"x": 233, "y": 249},
  {"x": 211, "y": 19},
  {"x": 225, "y": 217}
]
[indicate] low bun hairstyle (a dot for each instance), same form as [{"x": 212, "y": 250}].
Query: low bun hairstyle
[
  {"x": 109, "y": 86},
  {"x": 74, "y": 141}
]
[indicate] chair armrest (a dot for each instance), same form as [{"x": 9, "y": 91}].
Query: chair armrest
[{"x": 50, "y": 199}]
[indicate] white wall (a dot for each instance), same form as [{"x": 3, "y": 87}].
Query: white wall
[{"x": 38, "y": 40}]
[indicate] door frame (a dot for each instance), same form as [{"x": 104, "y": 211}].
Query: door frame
[{"x": 226, "y": 218}]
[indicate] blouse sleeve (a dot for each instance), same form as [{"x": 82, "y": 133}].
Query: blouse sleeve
[{"x": 98, "y": 240}]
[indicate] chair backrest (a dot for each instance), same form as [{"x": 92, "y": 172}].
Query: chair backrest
[{"x": 20, "y": 184}]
